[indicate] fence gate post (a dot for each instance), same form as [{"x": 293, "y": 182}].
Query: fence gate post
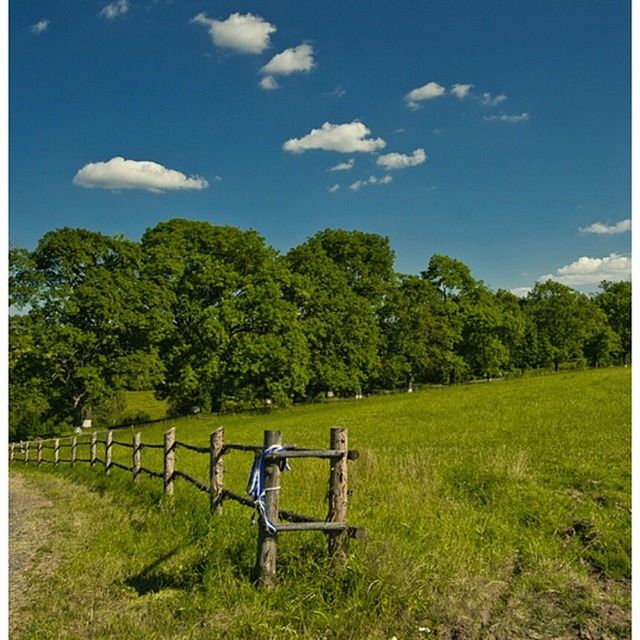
[
  {"x": 92, "y": 449},
  {"x": 136, "y": 457},
  {"x": 267, "y": 542},
  {"x": 26, "y": 452},
  {"x": 74, "y": 444},
  {"x": 39, "y": 452},
  {"x": 338, "y": 541},
  {"x": 169, "y": 460},
  {"x": 56, "y": 451},
  {"x": 216, "y": 470},
  {"x": 12, "y": 452},
  {"x": 107, "y": 452}
]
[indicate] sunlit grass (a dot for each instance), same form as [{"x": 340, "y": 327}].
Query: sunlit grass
[{"x": 492, "y": 510}]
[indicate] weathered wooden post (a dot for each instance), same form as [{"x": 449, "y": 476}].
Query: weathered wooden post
[
  {"x": 26, "y": 452},
  {"x": 338, "y": 541},
  {"x": 107, "y": 452},
  {"x": 169, "y": 460},
  {"x": 12, "y": 452},
  {"x": 136, "y": 457},
  {"x": 93, "y": 449},
  {"x": 267, "y": 542},
  {"x": 39, "y": 452},
  {"x": 74, "y": 444},
  {"x": 216, "y": 470},
  {"x": 56, "y": 451}
]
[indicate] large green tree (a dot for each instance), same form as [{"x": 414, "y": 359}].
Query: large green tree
[
  {"x": 87, "y": 324},
  {"x": 233, "y": 335},
  {"x": 615, "y": 300}
]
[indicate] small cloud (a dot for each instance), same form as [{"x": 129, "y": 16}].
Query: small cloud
[
  {"x": 344, "y": 166},
  {"x": 521, "y": 292},
  {"x": 461, "y": 91},
  {"x": 586, "y": 270},
  {"x": 344, "y": 138},
  {"x": 438, "y": 132},
  {"x": 269, "y": 83},
  {"x": 338, "y": 92},
  {"x": 428, "y": 91},
  {"x": 115, "y": 9},
  {"x": 401, "y": 161},
  {"x": 119, "y": 173},
  {"x": 401, "y": 130},
  {"x": 39, "y": 27},
  {"x": 358, "y": 184},
  {"x": 604, "y": 229},
  {"x": 510, "y": 118},
  {"x": 243, "y": 33},
  {"x": 334, "y": 189},
  {"x": 217, "y": 179},
  {"x": 293, "y": 60},
  {"x": 491, "y": 101}
]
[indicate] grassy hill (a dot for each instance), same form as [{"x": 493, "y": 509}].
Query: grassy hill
[{"x": 499, "y": 510}]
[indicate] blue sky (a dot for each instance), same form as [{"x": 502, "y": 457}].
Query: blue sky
[{"x": 494, "y": 132}]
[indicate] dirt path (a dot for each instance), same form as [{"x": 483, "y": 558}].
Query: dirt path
[{"x": 29, "y": 534}]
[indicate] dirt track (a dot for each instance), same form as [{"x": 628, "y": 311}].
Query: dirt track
[{"x": 29, "y": 533}]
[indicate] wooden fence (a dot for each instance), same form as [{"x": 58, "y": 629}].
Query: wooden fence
[{"x": 335, "y": 527}]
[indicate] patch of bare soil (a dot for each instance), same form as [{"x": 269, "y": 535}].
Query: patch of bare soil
[{"x": 29, "y": 534}]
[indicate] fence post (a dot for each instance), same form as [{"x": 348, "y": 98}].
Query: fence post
[
  {"x": 93, "y": 449},
  {"x": 216, "y": 469},
  {"x": 56, "y": 451},
  {"x": 136, "y": 457},
  {"x": 169, "y": 460},
  {"x": 338, "y": 541},
  {"x": 107, "y": 452},
  {"x": 74, "y": 444},
  {"x": 26, "y": 452},
  {"x": 39, "y": 452},
  {"x": 267, "y": 542},
  {"x": 12, "y": 452}
]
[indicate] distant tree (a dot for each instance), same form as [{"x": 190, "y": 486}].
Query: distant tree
[
  {"x": 87, "y": 321},
  {"x": 615, "y": 300},
  {"x": 569, "y": 326},
  {"x": 340, "y": 325},
  {"x": 233, "y": 336}
]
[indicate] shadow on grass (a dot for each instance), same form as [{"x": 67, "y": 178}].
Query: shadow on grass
[{"x": 150, "y": 580}]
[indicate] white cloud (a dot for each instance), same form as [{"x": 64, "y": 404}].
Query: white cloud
[
  {"x": 600, "y": 228},
  {"x": 269, "y": 83},
  {"x": 119, "y": 173},
  {"x": 244, "y": 33},
  {"x": 345, "y": 138},
  {"x": 334, "y": 189},
  {"x": 506, "y": 117},
  {"x": 115, "y": 9},
  {"x": 295, "y": 59},
  {"x": 344, "y": 166},
  {"x": 491, "y": 101},
  {"x": 39, "y": 27},
  {"x": 358, "y": 184},
  {"x": 461, "y": 91},
  {"x": 593, "y": 270},
  {"x": 401, "y": 161},
  {"x": 428, "y": 91},
  {"x": 521, "y": 292}
]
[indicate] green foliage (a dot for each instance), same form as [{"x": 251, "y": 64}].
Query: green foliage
[{"x": 211, "y": 318}]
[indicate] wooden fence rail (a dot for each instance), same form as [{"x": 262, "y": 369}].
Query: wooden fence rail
[{"x": 335, "y": 526}]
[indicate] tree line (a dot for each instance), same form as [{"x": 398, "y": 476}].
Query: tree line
[{"x": 212, "y": 318}]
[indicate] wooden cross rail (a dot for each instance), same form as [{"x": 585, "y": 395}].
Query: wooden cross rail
[{"x": 335, "y": 526}]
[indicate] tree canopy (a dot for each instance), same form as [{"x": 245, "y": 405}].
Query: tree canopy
[{"x": 212, "y": 318}]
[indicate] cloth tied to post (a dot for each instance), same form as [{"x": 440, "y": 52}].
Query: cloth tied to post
[{"x": 256, "y": 488}]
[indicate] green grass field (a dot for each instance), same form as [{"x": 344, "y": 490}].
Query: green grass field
[{"x": 493, "y": 511}]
